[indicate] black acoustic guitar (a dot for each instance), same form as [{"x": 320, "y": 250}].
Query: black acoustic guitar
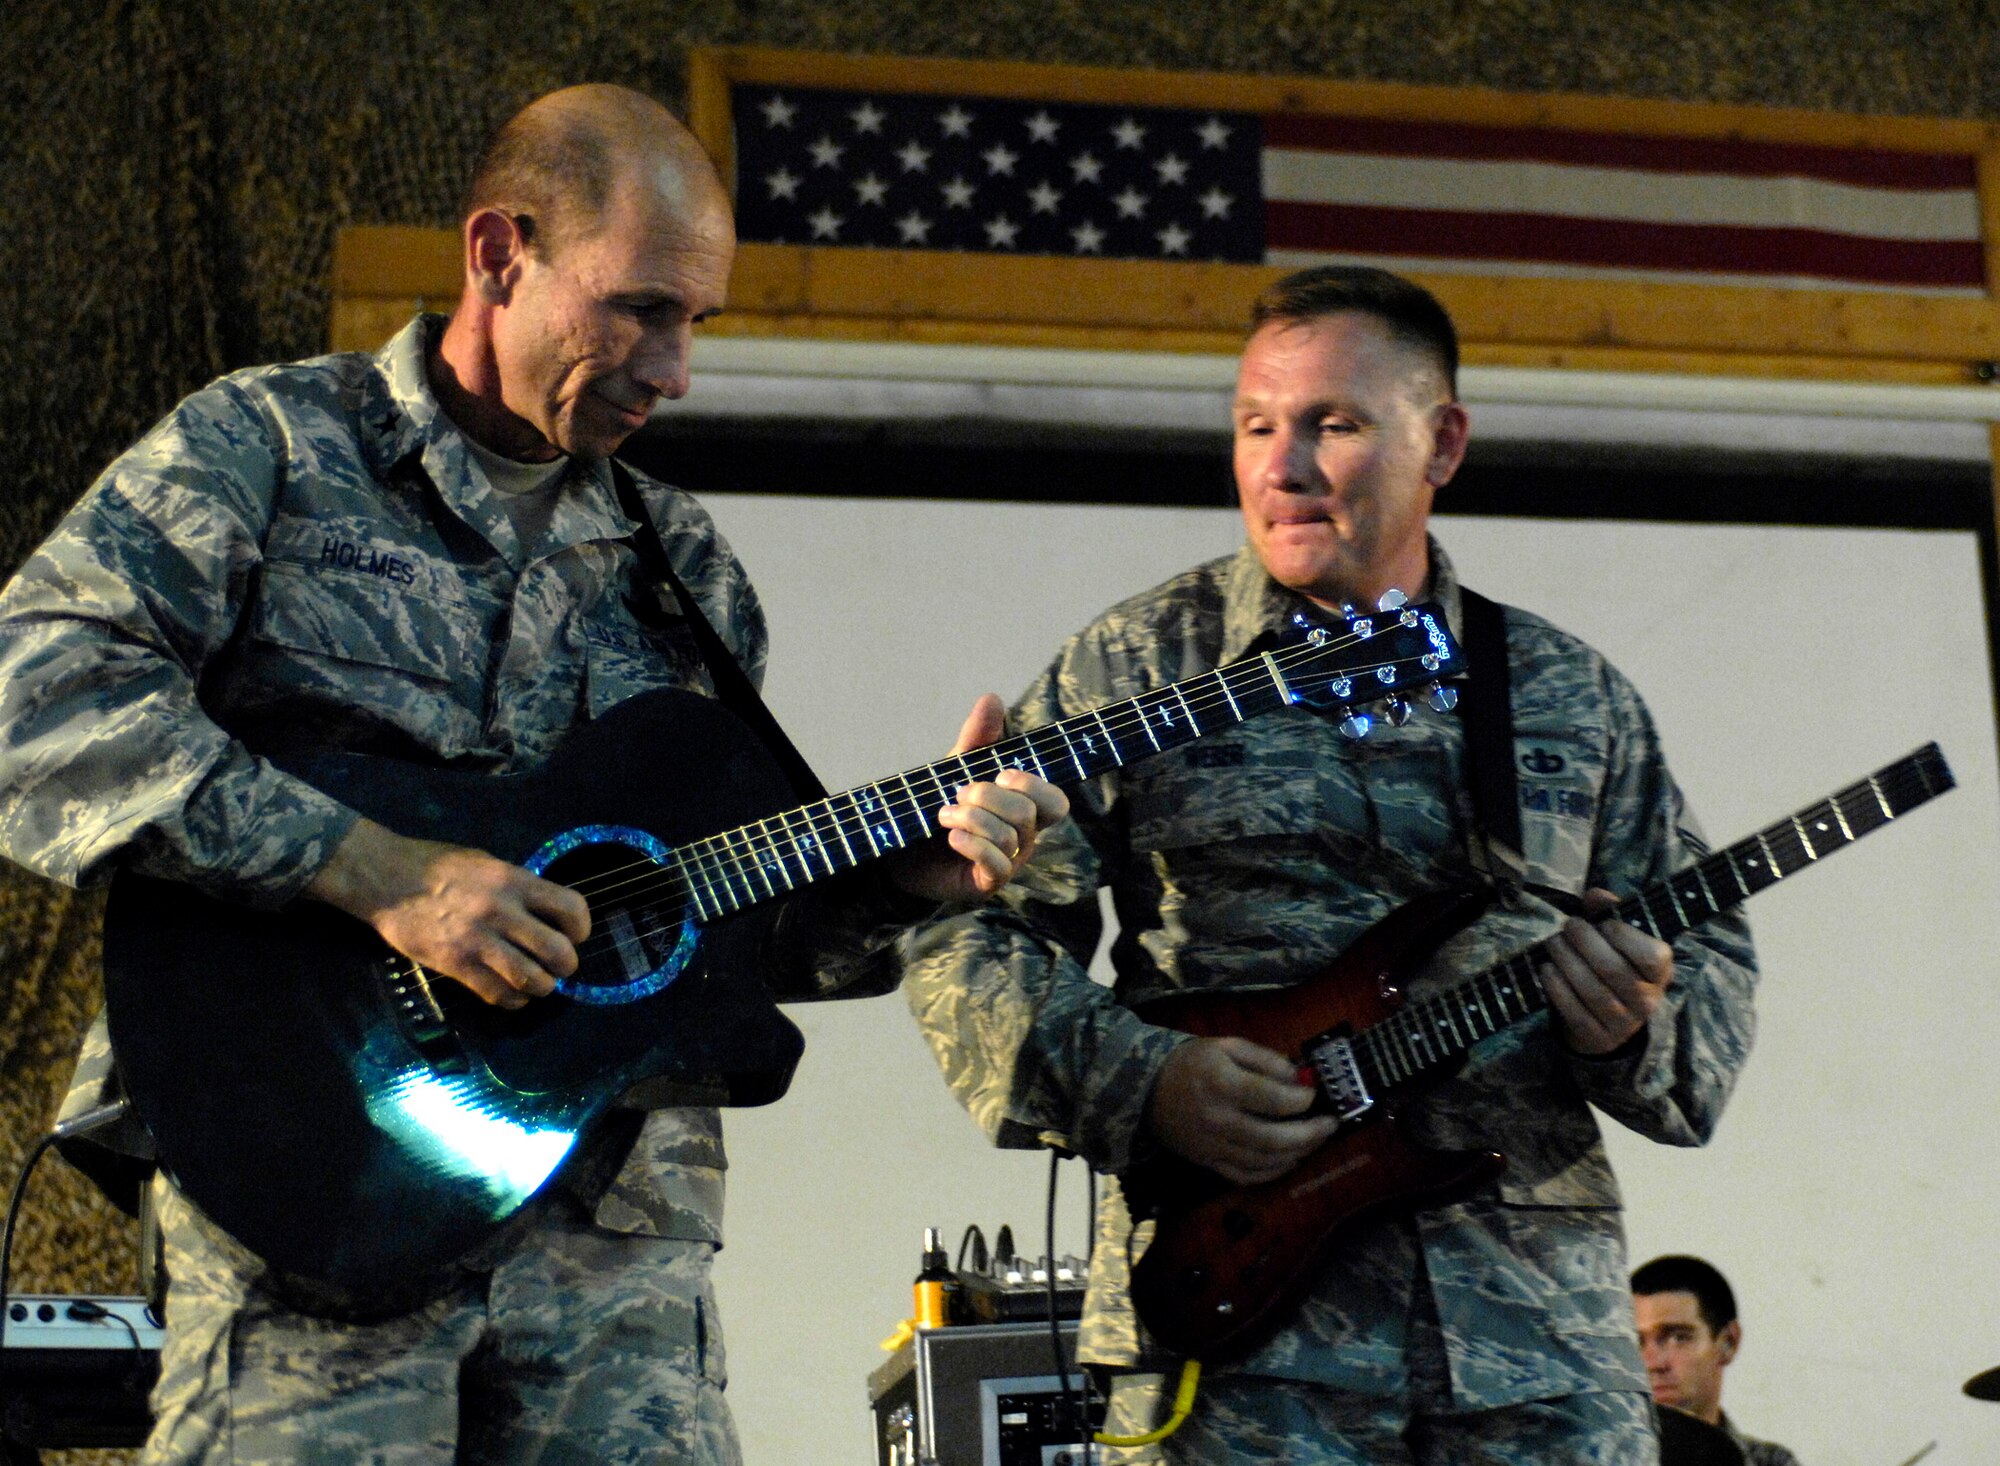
[
  {"x": 1228, "y": 1264},
  {"x": 363, "y": 1126}
]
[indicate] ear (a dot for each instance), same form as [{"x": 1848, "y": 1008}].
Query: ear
[
  {"x": 1728, "y": 1342},
  {"x": 494, "y": 254},
  {"x": 1448, "y": 444}
]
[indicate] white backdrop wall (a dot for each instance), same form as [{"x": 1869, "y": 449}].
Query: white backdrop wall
[{"x": 1852, "y": 1195}]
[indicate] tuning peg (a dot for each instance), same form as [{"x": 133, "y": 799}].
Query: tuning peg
[
  {"x": 1316, "y": 634},
  {"x": 1392, "y": 600},
  {"x": 1396, "y": 708},
  {"x": 1441, "y": 698},
  {"x": 1356, "y": 726},
  {"x": 1349, "y": 610}
]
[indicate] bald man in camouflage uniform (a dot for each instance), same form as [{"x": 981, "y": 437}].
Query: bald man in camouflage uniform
[
  {"x": 1494, "y": 1330},
  {"x": 422, "y": 554}
]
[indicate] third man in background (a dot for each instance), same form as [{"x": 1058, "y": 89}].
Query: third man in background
[{"x": 1689, "y": 1334}]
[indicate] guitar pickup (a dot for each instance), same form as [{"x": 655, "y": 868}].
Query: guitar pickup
[{"x": 1339, "y": 1074}]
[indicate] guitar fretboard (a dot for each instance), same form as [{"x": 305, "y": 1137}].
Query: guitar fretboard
[
  {"x": 1437, "y": 1030},
  {"x": 1368, "y": 659}
]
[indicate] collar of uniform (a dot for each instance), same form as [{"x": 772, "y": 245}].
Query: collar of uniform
[
  {"x": 410, "y": 418},
  {"x": 1257, "y": 611},
  {"x": 588, "y": 508}
]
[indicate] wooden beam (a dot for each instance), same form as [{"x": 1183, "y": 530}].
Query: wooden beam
[{"x": 714, "y": 69}]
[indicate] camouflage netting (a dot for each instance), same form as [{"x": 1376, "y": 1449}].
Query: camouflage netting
[{"x": 176, "y": 170}]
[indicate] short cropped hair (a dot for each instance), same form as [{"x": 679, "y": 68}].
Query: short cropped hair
[
  {"x": 1410, "y": 312},
  {"x": 1679, "y": 1273},
  {"x": 557, "y": 171}
]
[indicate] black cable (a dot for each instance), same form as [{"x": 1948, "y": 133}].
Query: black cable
[
  {"x": 976, "y": 1240},
  {"x": 1055, "y": 1320},
  {"x": 7, "y": 1233},
  {"x": 89, "y": 1310}
]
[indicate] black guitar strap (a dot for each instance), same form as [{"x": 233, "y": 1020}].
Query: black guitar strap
[
  {"x": 732, "y": 685},
  {"x": 1486, "y": 706}
]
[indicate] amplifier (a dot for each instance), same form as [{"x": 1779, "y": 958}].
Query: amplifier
[
  {"x": 978, "y": 1395},
  {"x": 76, "y": 1370}
]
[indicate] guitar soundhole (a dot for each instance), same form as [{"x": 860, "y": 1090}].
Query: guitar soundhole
[{"x": 642, "y": 935}]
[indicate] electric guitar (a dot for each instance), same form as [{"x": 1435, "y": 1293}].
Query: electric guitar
[
  {"x": 1227, "y": 1264},
  {"x": 363, "y": 1125}
]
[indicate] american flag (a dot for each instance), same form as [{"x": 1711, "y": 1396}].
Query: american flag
[{"x": 981, "y": 174}]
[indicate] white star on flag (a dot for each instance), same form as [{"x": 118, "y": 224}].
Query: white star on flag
[
  {"x": 914, "y": 156},
  {"x": 1086, "y": 168},
  {"x": 914, "y": 227},
  {"x": 870, "y": 189},
  {"x": 826, "y": 224},
  {"x": 1131, "y": 204},
  {"x": 1042, "y": 128},
  {"x": 956, "y": 121},
  {"x": 1000, "y": 232},
  {"x": 1129, "y": 134},
  {"x": 784, "y": 184},
  {"x": 1044, "y": 198},
  {"x": 779, "y": 113},
  {"x": 1172, "y": 168},
  {"x": 868, "y": 117},
  {"x": 826, "y": 153}
]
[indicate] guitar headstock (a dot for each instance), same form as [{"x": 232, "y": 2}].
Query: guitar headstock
[{"x": 1373, "y": 663}]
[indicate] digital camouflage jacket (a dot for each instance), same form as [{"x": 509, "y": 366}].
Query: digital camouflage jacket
[
  {"x": 307, "y": 558},
  {"x": 1253, "y": 858}
]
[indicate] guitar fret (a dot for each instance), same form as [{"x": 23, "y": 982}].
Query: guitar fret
[
  {"x": 799, "y": 851},
  {"x": 1069, "y": 751},
  {"x": 1117, "y": 754},
  {"x": 861, "y": 819},
  {"x": 1805, "y": 840},
  {"x": 1770, "y": 858},
  {"x": 1875, "y": 788},
  {"x": 772, "y": 857},
  {"x": 698, "y": 892},
  {"x": 1194, "y": 723},
  {"x": 824, "y": 811},
  {"x": 1277, "y": 678},
  {"x": 1840, "y": 814},
  {"x": 1674, "y": 901},
  {"x": 1222, "y": 681}
]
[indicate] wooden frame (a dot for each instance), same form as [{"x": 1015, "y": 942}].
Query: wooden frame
[
  {"x": 1615, "y": 325},
  {"x": 799, "y": 291}
]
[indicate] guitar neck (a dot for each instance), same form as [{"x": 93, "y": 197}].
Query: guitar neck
[
  {"x": 776, "y": 856},
  {"x": 1429, "y": 1034}
]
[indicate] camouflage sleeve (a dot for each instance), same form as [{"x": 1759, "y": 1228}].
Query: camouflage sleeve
[
  {"x": 1037, "y": 1051},
  {"x": 103, "y": 637},
  {"x": 1672, "y": 1086}
]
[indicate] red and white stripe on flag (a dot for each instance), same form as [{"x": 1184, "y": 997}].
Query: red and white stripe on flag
[{"x": 1462, "y": 199}]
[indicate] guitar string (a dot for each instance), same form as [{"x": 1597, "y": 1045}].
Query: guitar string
[
  {"x": 1904, "y": 785},
  {"x": 1221, "y": 688},
  {"x": 901, "y": 805},
  {"x": 713, "y": 856},
  {"x": 1417, "y": 1027}
]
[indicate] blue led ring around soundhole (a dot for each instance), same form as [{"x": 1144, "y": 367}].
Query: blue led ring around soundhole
[{"x": 647, "y": 983}]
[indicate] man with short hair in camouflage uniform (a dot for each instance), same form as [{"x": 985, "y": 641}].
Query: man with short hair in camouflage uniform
[
  {"x": 1689, "y": 1333},
  {"x": 1497, "y": 1329},
  {"x": 422, "y": 554}
]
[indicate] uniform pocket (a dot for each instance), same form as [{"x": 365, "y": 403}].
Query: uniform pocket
[{"x": 371, "y": 621}]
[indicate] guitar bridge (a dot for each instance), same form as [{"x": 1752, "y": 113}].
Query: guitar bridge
[{"x": 1333, "y": 1061}]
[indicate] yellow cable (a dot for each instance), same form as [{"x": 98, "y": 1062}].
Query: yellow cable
[{"x": 1183, "y": 1403}]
